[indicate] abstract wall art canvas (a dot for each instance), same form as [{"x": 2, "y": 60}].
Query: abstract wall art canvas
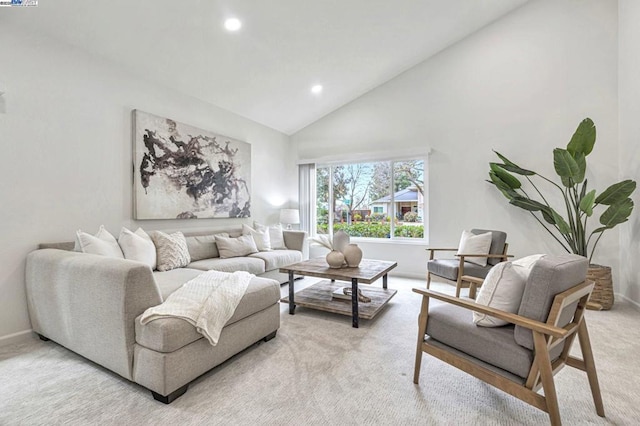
[{"x": 182, "y": 172}]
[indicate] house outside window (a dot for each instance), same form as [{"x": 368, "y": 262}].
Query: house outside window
[{"x": 379, "y": 200}]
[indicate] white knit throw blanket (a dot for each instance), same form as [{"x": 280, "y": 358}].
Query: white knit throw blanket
[{"x": 207, "y": 302}]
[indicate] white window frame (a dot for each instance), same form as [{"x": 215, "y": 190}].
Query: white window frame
[{"x": 392, "y": 238}]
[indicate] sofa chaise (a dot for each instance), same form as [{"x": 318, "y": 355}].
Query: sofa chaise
[{"x": 92, "y": 305}]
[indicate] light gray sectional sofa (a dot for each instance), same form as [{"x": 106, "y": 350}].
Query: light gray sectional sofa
[{"x": 91, "y": 305}]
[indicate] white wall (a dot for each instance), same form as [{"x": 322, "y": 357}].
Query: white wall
[
  {"x": 519, "y": 86},
  {"x": 65, "y": 133},
  {"x": 629, "y": 93}
]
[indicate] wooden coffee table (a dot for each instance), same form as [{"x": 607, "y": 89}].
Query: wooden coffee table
[{"x": 319, "y": 296}]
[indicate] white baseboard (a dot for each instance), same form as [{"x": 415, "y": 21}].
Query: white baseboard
[
  {"x": 19, "y": 337},
  {"x": 633, "y": 302}
]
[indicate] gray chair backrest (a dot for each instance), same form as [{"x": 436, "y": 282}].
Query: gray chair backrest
[
  {"x": 498, "y": 240},
  {"x": 549, "y": 276}
]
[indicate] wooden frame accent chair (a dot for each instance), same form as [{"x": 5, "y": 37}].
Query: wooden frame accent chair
[
  {"x": 455, "y": 269},
  {"x": 522, "y": 357}
]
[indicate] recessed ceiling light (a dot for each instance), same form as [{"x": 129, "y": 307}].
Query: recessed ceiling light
[
  {"x": 232, "y": 24},
  {"x": 317, "y": 89}
]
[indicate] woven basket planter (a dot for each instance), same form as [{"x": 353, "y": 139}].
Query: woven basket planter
[{"x": 603, "y": 290}]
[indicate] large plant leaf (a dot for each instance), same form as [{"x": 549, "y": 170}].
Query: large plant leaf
[
  {"x": 504, "y": 159},
  {"x": 527, "y": 204},
  {"x": 581, "y": 161},
  {"x": 584, "y": 189},
  {"x": 587, "y": 202},
  {"x": 566, "y": 167},
  {"x": 505, "y": 176},
  {"x": 502, "y": 187},
  {"x": 517, "y": 170},
  {"x": 583, "y": 138},
  {"x": 563, "y": 226},
  {"x": 617, "y": 213},
  {"x": 547, "y": 216},
  {"x": 616, "y": 192},
  {"x": 513, "y": 167}
]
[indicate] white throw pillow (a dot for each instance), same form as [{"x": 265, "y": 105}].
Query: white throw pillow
[
  {"x": 103, "y": 243},
  {"x": 138, "y": 246},
  {"x": 261, "y": 238},
  {"x": 235, "y": 247},
  {"x": 503, "y": 288},
  {"x": 475, "y": 244},
  {"x": 276, "y": 236},
  {"x": 171, "y": 250}
]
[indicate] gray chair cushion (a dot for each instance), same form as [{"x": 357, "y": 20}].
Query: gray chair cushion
[
  {"x": 232, "y": 264},
  {"x": 453, "y": 326},
  {"x": 549, "y": 276},
  {"x": 448, "y": 268},
  {"x": 170, "y": 334},
  {"x": 278, "y": 258},
  {"x": 498, "y": 240}
]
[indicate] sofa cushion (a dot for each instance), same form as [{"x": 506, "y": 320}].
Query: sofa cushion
[
  {"x": 170, "y": 334},
  {"x": 138, "y": 246},
  {"x": 549, "y": 276},
  {"x": 171, "y": 249},
  {"x": 170, "y": 281},
  {"x": 278, "y": 258},
  {"x": 103, "y": 243},
  {"x": 261, "y": 238},
  {"x": 249, "y": 264},
  {"x": 203, "y": 246},
  {"x": 276, "y": 237},
  {"x": 448, "y": 268},
  {"x": 453, "y": 326},
  {"x": 235, "y": 247}
]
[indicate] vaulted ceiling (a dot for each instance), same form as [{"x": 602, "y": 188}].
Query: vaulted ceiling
[{"x": 265, "y": 70}]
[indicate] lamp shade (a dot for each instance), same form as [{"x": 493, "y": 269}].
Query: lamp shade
[{"x": 290, "y": 216}]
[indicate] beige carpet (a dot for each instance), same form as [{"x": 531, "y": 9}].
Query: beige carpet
[{"x": 319, "y": 370}]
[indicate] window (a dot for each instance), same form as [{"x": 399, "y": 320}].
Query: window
[{"x": 383, "y": 199}]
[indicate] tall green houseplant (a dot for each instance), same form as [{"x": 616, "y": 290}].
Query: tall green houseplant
[{"x": 568, "y": 224}]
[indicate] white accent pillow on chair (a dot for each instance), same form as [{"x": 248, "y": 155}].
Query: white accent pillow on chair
[
  {"x": 471, "y": 243},
  {"x": 503, "y": 289}
]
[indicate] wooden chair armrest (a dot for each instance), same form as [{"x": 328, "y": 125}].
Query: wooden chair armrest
[
  {"x": 441, "y": 249},
  {"x": 474, "y": 280},
  {"x": 488, "y": 256},
  {"x": 506, "y": 316}
]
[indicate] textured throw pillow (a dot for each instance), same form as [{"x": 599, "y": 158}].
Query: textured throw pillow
[
  {"x": 261, "y": 238},
  {"x": 103, "y": 243},
  {"x": 276, "y": 237},
  {"x": 138, "y": 246},
  {"x": 171, "y": 250},
  {"x": 475, "y": 244},
  {"x": 203, "y": 246},
  {"x": 235, "y": 247},
  {"x": 503, "y": 288}
]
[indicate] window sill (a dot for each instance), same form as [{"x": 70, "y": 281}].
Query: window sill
[{"x": 397, "y": 241}]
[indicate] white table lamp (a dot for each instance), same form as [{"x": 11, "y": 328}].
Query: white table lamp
[{"x": 290, "y": 217}]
